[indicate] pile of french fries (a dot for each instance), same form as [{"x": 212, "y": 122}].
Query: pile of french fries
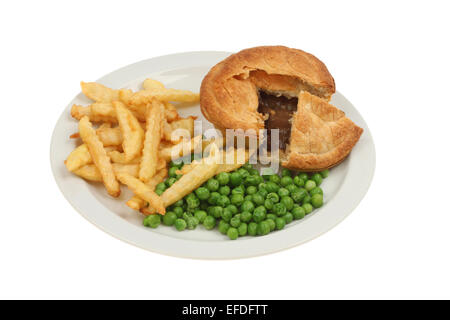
[{"x": 130, "y": 137}]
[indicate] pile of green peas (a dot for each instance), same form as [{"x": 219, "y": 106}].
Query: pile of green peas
[{"x": 242, "y": 202}]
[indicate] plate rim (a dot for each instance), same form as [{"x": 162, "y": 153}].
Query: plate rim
[{"x": 227, "y": 249}]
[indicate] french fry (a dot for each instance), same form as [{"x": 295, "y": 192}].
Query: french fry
[
  {"x": 147, "y": 211},
  {"x": 240, "y": 156},
  {"x": 163, "y": 94},
  {"x": 181, "y": 149},
  {"x": 120, "y": 158},
  {"x": 132, "y": 133},
  {"x": 181, "y": 128},
  {"x": 91, "y": 173},
  {"x": 99, "y": 156},
  {"x": 192, "y": 180},
  {"x": 98, "y": 92},
  {"x": 152, "y": 140},
  {"x": 110, "y": 136},
  {"x": 137, "y": 203},
  {"x": 78, "y": 112},
  {"x": 143, "y": 191},
  {"x": 79, "y": 157},
  {"x": 170, "y": 112},
  {"x": 150, "y": 84}
]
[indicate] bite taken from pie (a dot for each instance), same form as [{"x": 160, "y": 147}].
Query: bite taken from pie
[{"x": 275, "y": 87}]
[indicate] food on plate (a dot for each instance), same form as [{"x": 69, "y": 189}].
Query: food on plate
[
  {"x": 99, "y": 156},
  {"x": 322, "y": 136},
  {"x": 259, "y": 88},
  {"x": 155, "y": 113},
  {"x": 98, "y": 92}
]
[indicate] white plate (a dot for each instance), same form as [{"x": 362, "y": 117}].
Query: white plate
[{"x": 344, "y": 188}]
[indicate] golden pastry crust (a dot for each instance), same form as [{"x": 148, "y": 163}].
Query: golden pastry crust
[
  {"x": 229, "y": 92},
  {"x": 321, "y": 135}
]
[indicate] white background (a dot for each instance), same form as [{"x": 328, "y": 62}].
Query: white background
[{"x": 390, "y": 58}]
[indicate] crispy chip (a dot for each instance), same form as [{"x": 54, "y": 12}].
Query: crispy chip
[
  {"x": 146, "y": 96},
  {"x": 110, "y": 136},
  {"x": 91, "y": 173},
  {"x": 150, "y": 84},
  {"x": 181, "y": 149},
  {"x": 137, "y": 203},
  {"x": 119, "y": 157},
  {"x": 78, "y": 158},
  {"x": 99, "y": 156},
  {"x": 152, "y": 139},
  {"x": 133, "y": 135},
  {"x": 98, "y": 92},
  {"x": 143, "y": 191}
]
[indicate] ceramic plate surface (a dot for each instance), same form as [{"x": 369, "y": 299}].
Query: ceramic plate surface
[{"x": 343, "y": 189}]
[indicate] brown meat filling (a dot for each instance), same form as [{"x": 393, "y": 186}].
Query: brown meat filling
[{"x": 280, "y": 110}]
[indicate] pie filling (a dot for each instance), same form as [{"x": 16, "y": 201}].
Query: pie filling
[{"x": 278, "y": 111}]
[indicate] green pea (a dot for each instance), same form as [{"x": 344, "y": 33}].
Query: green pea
[
  {"x": 209, "y": 222},
  {"x": 262, "y": 185},
  {"x": 244, "y": 173},
  {"x": 285, "y": 181},
  {"x": 288, "y": 217},
  {"x": 212, "y": 184},
  {"x": 170, "y": 181},
  {"x": 259, "y": 214},
  {"x": 288, "y": 202},
  {"x": 263, "y": 228},
  {"x": 216, "y": 211},
  {"x": 303, "y": 176},
  {"x": 316, "y": 190},
  {"x": 179, "y": 203},
  {"x": 169, "y": 218},
  {"x": 317, "y": 200},
  {"x": 192, "y": 202},
  {"x": 242, "y": 229},
  {"x": 161, "y": 186},
  {"x": 272, "y": 187},
  {"x": 235, "y": 221},
  {"x": 317, "y": 178},
  {"x": 204, "y": 205},
  {"x": 226, "y": 214},
  {"x": 238, "y": 190},
  {"x": 252, "y": 228},
  {"x": 200, "y": 215},
  {"x": 172, "y": 172},
  {"x": 271, "y": 216},
  {"x": 286, "y": 172},
  {"x": 251, "y": 190},
  {"x": 248, "y": 198},
  {"x": 202, "y": 193},
  {"x": 268, "y": 204},
  {"x": 258, "y": 199},
  {"x": 237, "y": 199},
  {"x": 192, "y": 223},
  {"x": 306, "y": 199},
  {"x": 263, "y": 193},
  {"x": 224, "y": 190},
  {"x": 223, "y": 178},
  {"x": 283, "y": 192},
  {"x": 247, "y": 206},
  {"x": 178, "y": 211},
  {"x": 213, "y": 197},
  {"x": 152, "y": 221},
  {"x": 273, "y": 197},
  {"x": 271, "y": 224},
  {"x": 280, "y": 223},
  {"x": 223, "y": 227},
  {"x": 235, "y": 179},
  {"x": 223, "y": 201},
  {"x": 247, "y": 166},
  {"x": 325, "y": 173},
  {"x": 232, "y": 208},
  {"x": 251, "y": 181},
  {"x": 310, "y": 184},
  {"x": 298, "y": 213},
  {"x": 292, "y": 188},
  {"x": 187, "y": 215},
  {"x": 299, "y": 182},
  {"x": 274, "y": 178},
  {"x": 232, "y": 233},
  {"x": 180, "y": 224},
  {"x": 246, "y": 216},
  {"x": 299, "y": 195},
  {"x": 177, "y": 163},
  {"x": 308, "y": 208},
  {"x": 279, "y": 209}
]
